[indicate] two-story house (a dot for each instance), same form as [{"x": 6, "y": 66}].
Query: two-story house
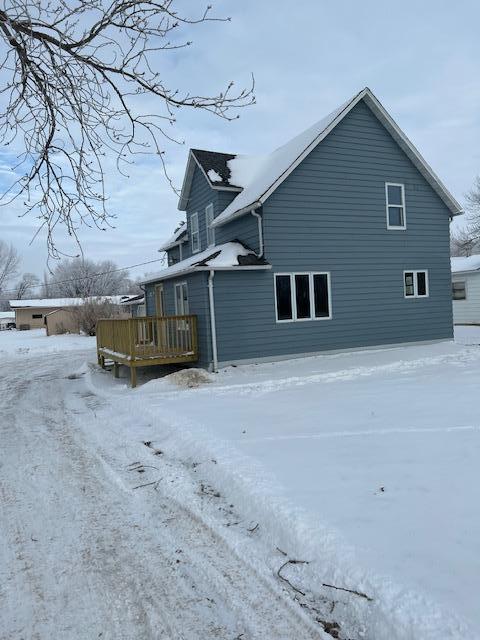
[{"x": 337, "y": 240}]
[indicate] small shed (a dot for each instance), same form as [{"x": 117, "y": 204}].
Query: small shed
[
  {"x": 7, "y": 319},
  {"x": 39, "y": 313},
  {"x": 466, "y": 290}
]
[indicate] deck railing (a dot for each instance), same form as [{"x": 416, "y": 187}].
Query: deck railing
[{"x": 139, "y": 341}]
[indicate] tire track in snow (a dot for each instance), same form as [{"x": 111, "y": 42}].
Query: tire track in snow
[{"x": 100, "y": 561}]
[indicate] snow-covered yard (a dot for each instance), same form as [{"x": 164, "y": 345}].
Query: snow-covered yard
[
  {"x": 36, "y": 341},
  {"x": 363, "y": 464}
]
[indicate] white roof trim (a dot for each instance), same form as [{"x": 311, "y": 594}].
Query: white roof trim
[
  {"x": 191, "y": 269},
  {"x": 187, "y": 182},
  {"x": 393, "y": 129}
]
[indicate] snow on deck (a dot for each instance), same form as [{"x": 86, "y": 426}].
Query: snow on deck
[{"x": 364, "y": 463}]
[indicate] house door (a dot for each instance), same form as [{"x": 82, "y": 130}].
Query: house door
[
  {"x": 160, "y": 329},
  {"x": 159, "y": 300}
]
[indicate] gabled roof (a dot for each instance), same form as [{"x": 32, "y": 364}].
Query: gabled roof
[
  {"x": 214, "y": 166},
  {"x": 179, "y": 237},
  {"x": 470, "y": 263},
  {"x": 260, "y": 176},
  {"x": 231, "y": 256}
]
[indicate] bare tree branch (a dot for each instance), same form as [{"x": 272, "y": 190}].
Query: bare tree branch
[
  {"x": 73, "y": 75},
  {"x": 9, "y": 261}
]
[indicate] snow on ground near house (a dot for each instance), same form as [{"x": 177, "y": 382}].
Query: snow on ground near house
[
  {"x": 364, "y": 463},
  {"x": 36, "y": 341},
  {"x": 106, "y": 535}
]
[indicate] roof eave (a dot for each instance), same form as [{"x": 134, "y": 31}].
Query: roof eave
[
  {"x": 193, "y": 269},
  {"x": 238, "y": 214}
]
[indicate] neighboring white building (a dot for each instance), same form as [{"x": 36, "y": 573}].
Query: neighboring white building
[
  {"x": 466, "y": 290},
  {"x": 6, "y": 318}
]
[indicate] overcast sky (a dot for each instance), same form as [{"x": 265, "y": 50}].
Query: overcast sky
[{"x": 421, "y": 59}]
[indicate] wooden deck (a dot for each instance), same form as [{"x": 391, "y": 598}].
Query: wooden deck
[{"x": 148, "y": 341}]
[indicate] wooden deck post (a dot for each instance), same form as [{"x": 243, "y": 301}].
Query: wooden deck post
[
  {"x": 133, "y": 376},
  {"x": 116, "y": 369}
]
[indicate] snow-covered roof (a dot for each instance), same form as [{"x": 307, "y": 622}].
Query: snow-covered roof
[
  {"x": 47, "y": 303},
  {"x": 228, "y": 256},
  {"x": 259, "y": 176},
  {"x": 178, "y": 237},
  {"x": 139, "y": 299},
  {"x": 214, "y": 166},
  {"x": 6, "y": 315},
  {"x": 460, "y": 265}
]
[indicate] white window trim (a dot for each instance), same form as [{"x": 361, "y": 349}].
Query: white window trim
[
  {"x": 194, "y": 232},
  {"x": 310, "y": 275},
  {"x": 208, "y": 224},
  {"x": 464, "y": 282},
  {"x": 415, "y": 283},
  {"x": 180, "y": 284},
  {"x": 395, "y": 227}
]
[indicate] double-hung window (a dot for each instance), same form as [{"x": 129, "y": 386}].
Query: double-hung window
[
  {"x": 194, "y": 233},
  {"x": 181, "y": 299},
  {"x": 302, "y": 296},
  {"x": 396, "y": 216},
  {"x": 415, "y": 284},
  {"x": 459, "y": 290},
  {"x": 208, "y": 223}
]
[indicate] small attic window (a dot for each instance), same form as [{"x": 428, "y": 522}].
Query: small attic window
[{"x": 395, "y": 194}]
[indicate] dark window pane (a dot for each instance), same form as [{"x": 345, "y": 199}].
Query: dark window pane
[
  {"x": 395, "y": 216},
  {"x": 409, "y": 284},
  {"x": 459, "y": 291},
  {"x": 302, "y": 296},
  {"x": 394, "y": 195},
  {"x": 421, "y": 283},
  {"x": 284, "y": 298},
  {"x": 320, "y": 294}
]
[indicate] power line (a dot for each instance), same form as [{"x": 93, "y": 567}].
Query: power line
[{"x": 89, "y": 277}]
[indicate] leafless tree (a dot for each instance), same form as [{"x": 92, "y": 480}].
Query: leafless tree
[
  {"x": 473, "y": 206},
  {"x": 73, "y": 76},
  {"x": 26, "y": 286},
  {"x": 91, "y": 311},
  {"x": 9, "y": 261},
  {"x": 82, "y": 278},
  {"x": 462, "y": 243}
]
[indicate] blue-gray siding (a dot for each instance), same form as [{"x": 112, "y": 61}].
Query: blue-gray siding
[
  {"x": 245, "y": 229},
  {"x": 198, "y": 305},
  {"x": 329, "y": 215}
]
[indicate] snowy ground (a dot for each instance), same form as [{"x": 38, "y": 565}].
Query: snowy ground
[
  {"x": 36, "y": 341},
  {"x": 363, "y": 464}
]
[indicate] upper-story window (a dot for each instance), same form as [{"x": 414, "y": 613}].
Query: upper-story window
[
  {"x": 396, "y": 216},
  {"x": 194, "y": 233},
  {"x": 208, "y": 223}
]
